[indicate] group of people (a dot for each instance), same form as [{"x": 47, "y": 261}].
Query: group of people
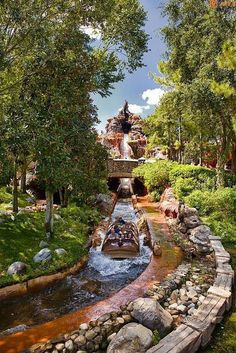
[{"x": 121, "y": 230}]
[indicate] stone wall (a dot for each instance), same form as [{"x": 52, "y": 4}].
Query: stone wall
[
  {"x": 196, "y": 330},
  {"x": 121, "y": 168}
]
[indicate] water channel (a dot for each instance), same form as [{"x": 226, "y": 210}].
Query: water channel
[{"x": 101, "y": 277}]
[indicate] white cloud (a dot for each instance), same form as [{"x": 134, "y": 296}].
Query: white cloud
[
  {"x": 138, "y": 109},
  {"x": 153, "y": 96},
  {"x": 92, "y": 32}
]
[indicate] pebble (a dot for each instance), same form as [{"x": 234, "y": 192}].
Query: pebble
[
  {"x": 84, "y": 327},
  {"x": 60, "y": 346}
]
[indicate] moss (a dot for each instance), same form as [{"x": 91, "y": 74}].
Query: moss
[{"x": 20, "y": 238}]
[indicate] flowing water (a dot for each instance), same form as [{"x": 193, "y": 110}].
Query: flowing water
[{"x": 101, "y": 277}]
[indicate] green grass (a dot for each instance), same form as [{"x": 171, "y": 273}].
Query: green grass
[
  {"x": 224, "y": 339},
  {"x": 6, "y": 199},
  {"x": 20, "y": 238}
]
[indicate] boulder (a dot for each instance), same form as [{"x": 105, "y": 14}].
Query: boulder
[
  {"x": 192, "y": 222},
  {"x": 43, "y": 244},
  {"x": 17, "y": 268},
  {"x": 60, "y": 252},
  {"x": 132, "y": 338},
  {"x": 150, "y": 313},
  {"x": 200, "y": 235},
  {"x": 43, "y": 255}
]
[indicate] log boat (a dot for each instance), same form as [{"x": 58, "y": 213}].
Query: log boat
[{"x": 121, "y": 241}]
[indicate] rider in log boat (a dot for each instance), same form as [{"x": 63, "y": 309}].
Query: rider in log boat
[{"x": 121, "y": 240}]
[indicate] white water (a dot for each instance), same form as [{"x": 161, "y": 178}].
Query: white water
[
  {"x": 107, "y": 266},
  {"x": 125, "y": 147}
]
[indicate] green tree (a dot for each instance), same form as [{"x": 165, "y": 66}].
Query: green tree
[
  {"x": 46, "y": 45},
  {"x": 194, "y": 37}
]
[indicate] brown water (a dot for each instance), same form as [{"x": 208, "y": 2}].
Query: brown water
[
  {"x": 101, "y": 277},
  {"x": 157, "y": 269}
]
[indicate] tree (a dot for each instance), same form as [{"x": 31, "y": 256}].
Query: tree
[
  {"x": 194, "y": 36},
  {"x": 46, "y": 45}
]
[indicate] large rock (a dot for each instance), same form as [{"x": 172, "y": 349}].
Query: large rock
[
  {"x": 43, "y": 244},
  {"x": 17, "y": 268},
  {"x": 192, "y": 222},
  {"x": 60, "y": 252},
  {"x": 132, "y": 338},
  {"x": 150, "y": 313},
  {"x": 43, "y": 255},
  {"x": 200, "y": 235}
]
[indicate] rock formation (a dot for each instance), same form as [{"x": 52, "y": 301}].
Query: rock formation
[{"x": 117, "y": 126}]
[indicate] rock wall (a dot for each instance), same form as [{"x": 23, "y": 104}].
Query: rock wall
[
  {"x": 196, "y": 329},
  {"x": 114, "y": 133}
]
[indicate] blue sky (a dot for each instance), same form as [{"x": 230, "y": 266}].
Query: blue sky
[{"x": 134, "y": 85}]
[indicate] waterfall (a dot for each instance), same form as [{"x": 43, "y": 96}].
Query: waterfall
[{"x": 125, "y": 147}]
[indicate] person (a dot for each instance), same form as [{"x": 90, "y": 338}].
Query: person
[
  {"x": 121, "y": 220},
  {"x": 112, "y": 234}
]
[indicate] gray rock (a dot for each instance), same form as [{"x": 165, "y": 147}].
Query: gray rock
[
  {"x": 132, "y": 338},
  {"x": 60, "y": 252},
  {"x": 192, "y": 222},
  {"x": 182, "y": 308},
  {"x": 17, "y": 268},
  {"x": 43, "y": 255},
  {"x": 200, "y": 235},
  {"x": 150, "y": 313},
  {"x": 69, "y": 345},
  {"x": 80, "y": 340},
  {"x": 43, "y": 244},
  {"x": 84, "y": 326},
  {"x": 60, "y": 346}
]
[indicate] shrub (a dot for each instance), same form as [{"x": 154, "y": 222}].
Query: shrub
[
  {"x": 155, "y": 175},
  {"x": 218, "y": 209},
  {"x": 187, "y": 178}
]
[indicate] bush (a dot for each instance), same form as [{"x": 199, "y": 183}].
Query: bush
[
  {"x": 187, "y": 178},
  {"x": 218, "y": 209},
  {"x": 155, "y": 175}
]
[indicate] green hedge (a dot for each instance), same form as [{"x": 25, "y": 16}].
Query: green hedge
[
  {"x": 218, "y": 209},
  {"x": 187, "y": 178},
  {"x": 155, "y": 175}
]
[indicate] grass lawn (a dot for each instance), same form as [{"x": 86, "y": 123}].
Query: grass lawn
[
  {"x": 20, "y": 238},
  {"x": 6, "y": 199}
]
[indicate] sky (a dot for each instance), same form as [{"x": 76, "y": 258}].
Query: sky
[{"x": 138, "y": 88}]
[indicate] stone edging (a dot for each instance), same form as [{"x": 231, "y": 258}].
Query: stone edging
[
  {"x": 196, "y": 331},
  {"x": 39, "y": 282}
]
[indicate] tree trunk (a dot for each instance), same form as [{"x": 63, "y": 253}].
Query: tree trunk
[
  {"x": 23, "y": 178},
  {"x": 49, "y": 214},
  {"x": 201, "y": 151},
  {"x": 66, "y": 197},
  {"x": 15, "y": 190},
  {"x": 221, "y": 160},
  {"x": 234, "y": 158}
]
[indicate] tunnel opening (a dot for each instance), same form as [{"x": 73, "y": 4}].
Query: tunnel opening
[
  {"x": 113, "y": 184},
  {"x": 139, "y": 187}
]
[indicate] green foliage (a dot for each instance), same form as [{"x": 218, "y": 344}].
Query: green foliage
[
  {"x": 155, "y": 175},
  {"x": 218, "y": 209},
  {"x": 187, "y": 178},
  {"x": 6, "y": 198},
  {"x": 156, "y": 337},
  {"x": 199, "y": 68},
  {"x": 19, "y": 240}
]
